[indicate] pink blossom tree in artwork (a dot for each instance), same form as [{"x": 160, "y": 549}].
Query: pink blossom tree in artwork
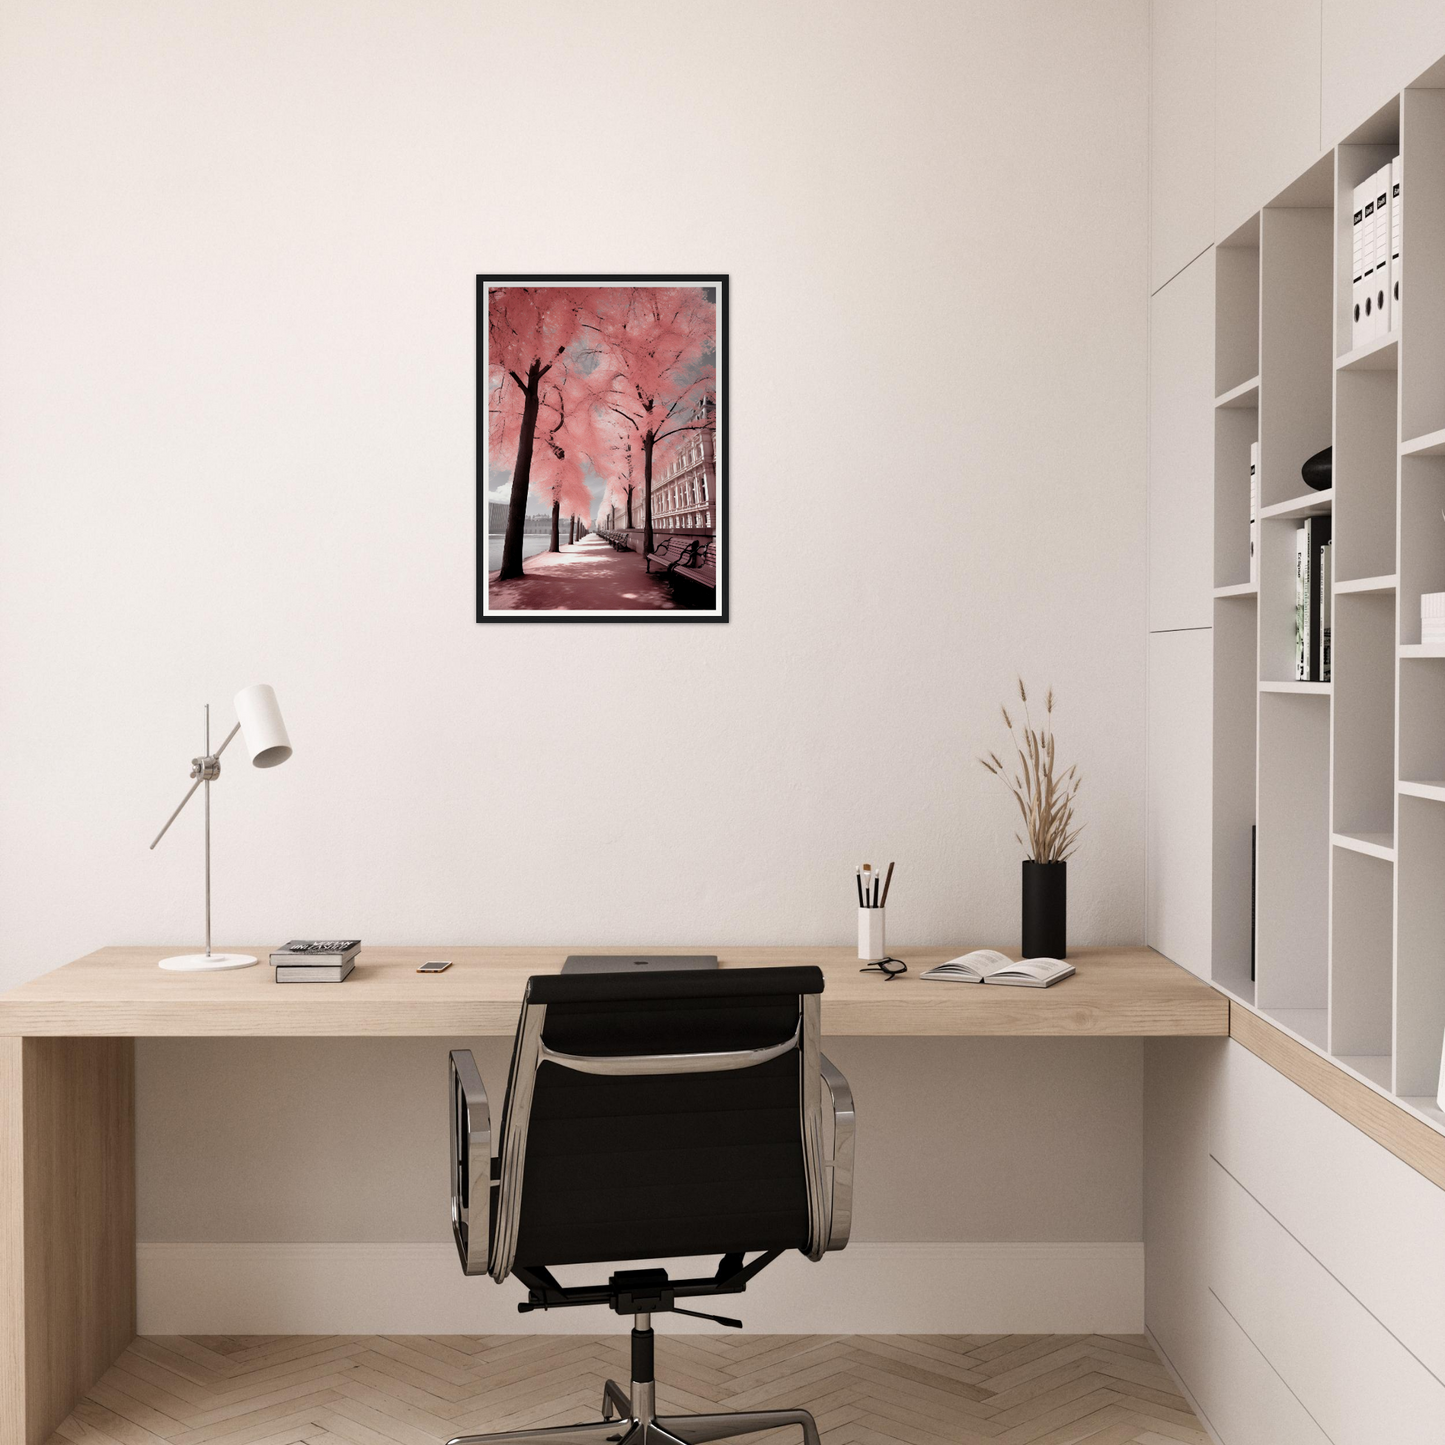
[
  {"x": 615, "y": 461},
  {"x": 654, "y": 375},
  {"x": 533, "y": 337},
  {"x": 562, "y": 484}
]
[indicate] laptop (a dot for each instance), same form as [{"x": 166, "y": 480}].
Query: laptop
[{"x": 636, "y": 962}]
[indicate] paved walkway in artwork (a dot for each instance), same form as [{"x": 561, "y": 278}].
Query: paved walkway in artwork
[{"x": 583, "y": 576}]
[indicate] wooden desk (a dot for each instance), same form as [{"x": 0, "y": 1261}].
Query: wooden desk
[
  {"x": 67, "y": 1090},
  {"x": 119, "y": 992}
]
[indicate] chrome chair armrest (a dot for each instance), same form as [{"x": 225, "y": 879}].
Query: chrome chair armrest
[
  {"x": 471, "y": 1127},
  {"x": 840, "y": 1166}
]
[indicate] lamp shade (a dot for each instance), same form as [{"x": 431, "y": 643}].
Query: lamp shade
[{"x": 262, "y": 730}]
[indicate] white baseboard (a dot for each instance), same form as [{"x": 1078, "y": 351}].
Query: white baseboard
[{"x": 307, "y": 1289}]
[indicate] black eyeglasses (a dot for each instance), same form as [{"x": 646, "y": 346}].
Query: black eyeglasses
[{"x": 890, "y": 968}]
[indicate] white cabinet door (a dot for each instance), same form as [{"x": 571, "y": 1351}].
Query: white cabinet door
[
  {"x": 1266, "y": 102},
  {"x": 1178, "y": 901},
  {"x": 1181, "y": 134},
  {"x": 1358, "y": 1382},
  {"x": 1181, "y": 450},
  {"x": 1371, "y": 1220}
]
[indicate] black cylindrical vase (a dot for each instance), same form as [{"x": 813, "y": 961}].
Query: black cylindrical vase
[{"x": 1046, "y": 909}]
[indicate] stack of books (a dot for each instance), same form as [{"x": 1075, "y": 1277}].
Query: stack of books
[{"x": 315, "y": 960}]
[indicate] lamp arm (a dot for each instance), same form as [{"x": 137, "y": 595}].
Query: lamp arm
[
  {"x": 177, "y": 813},
  {"x": 200, "y": 775},
  {"x": 227, "y": 743}
]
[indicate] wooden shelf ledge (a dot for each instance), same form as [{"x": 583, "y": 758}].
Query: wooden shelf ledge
[{"x": 1389, "y": 1120}]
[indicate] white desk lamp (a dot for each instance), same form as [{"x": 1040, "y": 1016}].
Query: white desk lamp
[{"x": 258, "y": 720}]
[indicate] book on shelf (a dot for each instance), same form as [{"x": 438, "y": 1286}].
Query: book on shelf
[
  {"x": 1326, "y": 607},
  {"x": 988, "y": 965},
  {"x": 314, "y": 972},
  {"x": 1254, "y": 513},
  {"x": 1310, "y": 613},
  {"x": 1301, "y": 606}
]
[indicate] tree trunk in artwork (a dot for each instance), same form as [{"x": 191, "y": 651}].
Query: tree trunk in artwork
[
  {"x": 647, "y": 493},
  {"x": 556, "y": 523},
  {"x": 521, "y": 478},
  {"x": 630, "y": 491}
]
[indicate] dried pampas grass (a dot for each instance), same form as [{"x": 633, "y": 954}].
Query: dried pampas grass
[{"x": 1046, "y": 801}]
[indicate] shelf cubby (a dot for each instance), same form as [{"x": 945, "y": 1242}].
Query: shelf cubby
[
  {"x": 1294, "y": 852},
  {"x": 1364, "y": 703},
  {"x": 1236, "y": 706},
  {"x": 1235, "y": 429},
  {"x": 1365, "y": 459},
  {"x": 1362, "y": 902},
  {"x": 1422, "y": 537},
  {"x": 1422, "y": 253},
  {"x": 1422, "y": 720},
  {"x": 1236, "y": 314},
  {"x": 1296, "y": 323},
  {"x": 1420, "y": 963}
]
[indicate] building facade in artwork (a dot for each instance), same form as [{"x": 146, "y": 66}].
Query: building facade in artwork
[
  {"x": 534, "y": 524},
  {"x": 684, "y": 496}
]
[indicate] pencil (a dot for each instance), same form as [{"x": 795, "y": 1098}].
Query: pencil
[
  {"x": 859, "y": 881},
  {"x": 887, "y": 883}
]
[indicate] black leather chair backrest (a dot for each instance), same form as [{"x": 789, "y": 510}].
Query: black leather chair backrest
[{"x": 644, "y": 1167}]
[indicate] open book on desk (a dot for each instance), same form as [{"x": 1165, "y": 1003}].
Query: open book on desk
[{"x": 987, "y": 965}]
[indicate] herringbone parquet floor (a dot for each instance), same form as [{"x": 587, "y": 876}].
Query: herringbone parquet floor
[{"x": 419, "y": 1390}]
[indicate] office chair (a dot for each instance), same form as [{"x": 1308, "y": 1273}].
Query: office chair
[{"x": 646, "y": 1118}]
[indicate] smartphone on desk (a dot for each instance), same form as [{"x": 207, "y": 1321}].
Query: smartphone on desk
[{"x": 435, "y": 965}]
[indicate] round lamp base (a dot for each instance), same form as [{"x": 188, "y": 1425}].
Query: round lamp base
[{"x": 207, "y": 962}]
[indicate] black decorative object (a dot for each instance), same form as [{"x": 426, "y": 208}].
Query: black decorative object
[
  {"x": 1045, "y": 916},
  {"x": 1319, "y": 471}
]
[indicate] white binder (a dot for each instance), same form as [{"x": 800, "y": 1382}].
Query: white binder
[
  {"x": 1396, "y": 225},
  {"x": 1357, "y": 267},
  {"x": 1382, "y": 251}
]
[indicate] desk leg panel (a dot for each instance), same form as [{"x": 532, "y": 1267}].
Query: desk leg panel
[{"x": 67, "y": 1212}]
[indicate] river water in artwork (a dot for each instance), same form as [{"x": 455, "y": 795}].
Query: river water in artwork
[{"x": 532, "y": 543}]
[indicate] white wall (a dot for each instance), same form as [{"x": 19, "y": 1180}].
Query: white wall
[
  {"x": 237, "y": 259},
  {"x": 236, "y": 356}
]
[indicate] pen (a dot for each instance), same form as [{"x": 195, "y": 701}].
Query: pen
[
  {"x": 887, "y": 883},
  {"x": 858, "y": 879}
]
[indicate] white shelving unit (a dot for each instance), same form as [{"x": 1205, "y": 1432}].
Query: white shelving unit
[{"x": 1344, "y": 781}]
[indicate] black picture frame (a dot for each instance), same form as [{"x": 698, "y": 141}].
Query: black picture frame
[{"x": 720, "y": 611}]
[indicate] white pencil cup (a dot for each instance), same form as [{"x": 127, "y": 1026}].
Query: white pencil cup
[{"x": 871, "y": 946}]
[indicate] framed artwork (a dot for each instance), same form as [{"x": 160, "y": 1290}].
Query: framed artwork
[{"x": 602, "y": 488}]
